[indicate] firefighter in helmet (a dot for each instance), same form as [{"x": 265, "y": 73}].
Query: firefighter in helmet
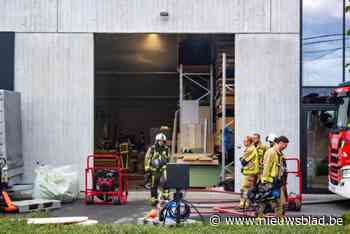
[
  {"x": 250, "y": 170},
  {"x": 156, "y": 160}
]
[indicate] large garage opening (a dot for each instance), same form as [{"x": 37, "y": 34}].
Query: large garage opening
[{"x": 170, "y": 83}]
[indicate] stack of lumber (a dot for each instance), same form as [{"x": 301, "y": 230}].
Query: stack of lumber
[{"x": 194, "y": 158}]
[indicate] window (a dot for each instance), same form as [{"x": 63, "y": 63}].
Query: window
[
  {"x": 343, "y": 113},
  {"x": 322, "y": 42}
]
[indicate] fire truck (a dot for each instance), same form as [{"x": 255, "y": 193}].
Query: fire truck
[{"x": 339, "y": 143}]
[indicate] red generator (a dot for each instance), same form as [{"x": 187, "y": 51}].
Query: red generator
[{"x": 106, "y": 181}]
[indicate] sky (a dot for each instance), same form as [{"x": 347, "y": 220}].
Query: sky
[{"x": 322, "y": 64}]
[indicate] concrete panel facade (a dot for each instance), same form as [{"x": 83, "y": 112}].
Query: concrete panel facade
[
  {"x": 267, "y": 90},
  {"x": 55, "y": 76},
  {"x": 28, "y": 15},
  {"x": 285, "y": 16},
  {"x": 184, "y": 16},
  {"x": 195, "y": 16}
]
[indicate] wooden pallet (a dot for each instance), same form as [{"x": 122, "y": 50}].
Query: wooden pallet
[{"x": 36, "y": 205}]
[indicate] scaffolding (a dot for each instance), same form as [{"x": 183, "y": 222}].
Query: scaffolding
[
  {"x": 193, "y": 77},
  {"x": 225, "y": 86},
  {"x": 209, "y": 91}
]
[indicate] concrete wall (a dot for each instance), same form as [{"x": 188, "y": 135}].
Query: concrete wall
[
  {"x": 55, "y": 76},
  {"x": 28, "y": 15},
  {"x": 285, "y": 16},
  {"x": 192, "y": 16},
  {"x": 184, "y": 15},
  {"x": 267, "y": 90}
]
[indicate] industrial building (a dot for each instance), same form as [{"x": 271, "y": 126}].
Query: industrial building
[{"x": 94, "y": 73}]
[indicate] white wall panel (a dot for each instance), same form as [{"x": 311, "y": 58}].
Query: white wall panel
[
  {"x": 184, "y": 16},
  {"x": 55, "y": 75},
  {"x": 28, "y": 15},
  {"x": 267, "y": 90},
  {"x": 143, "y": 16},
  {"x": 285, "y": 16}
]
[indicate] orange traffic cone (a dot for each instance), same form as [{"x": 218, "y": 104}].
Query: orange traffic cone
[{"x": 10, "y": 206}]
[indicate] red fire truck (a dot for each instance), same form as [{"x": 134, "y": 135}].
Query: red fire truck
[{"x": 339, "y": 143}]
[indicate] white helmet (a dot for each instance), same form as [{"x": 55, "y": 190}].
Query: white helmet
[
  {"x": 271, "y": 137},
  {"x": 160, "y": 137}
]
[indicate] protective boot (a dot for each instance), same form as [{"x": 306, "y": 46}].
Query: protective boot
[
  {"x": 279, "y": 212},
  {"x": 261, "y": 210},
  {"x": 244, "y": 202}
]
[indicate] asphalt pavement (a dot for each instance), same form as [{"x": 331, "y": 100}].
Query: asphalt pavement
[{"x": 137, "y": 206}]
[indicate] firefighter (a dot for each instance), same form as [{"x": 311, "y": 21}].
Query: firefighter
[
  {"x": 156, "y": 160},
  {"x": 261, "y": 148},
  {"x": 250, "y": 170},
  {"x": 273, "y": 173}
]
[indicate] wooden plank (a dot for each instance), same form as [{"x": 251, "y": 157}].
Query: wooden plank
[
  {"x": 196, "y": 157},
  {"x": 57, "y": 220},
  {"x": 227, "y": 120},
  {"x": 204, "y": 113},
  {"x": 181, "y": 155},
  {"x": 190, "y": 158},
  {"x": 197, "y": 162}
]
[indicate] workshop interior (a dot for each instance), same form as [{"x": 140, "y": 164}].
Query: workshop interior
[{"x": 170, "y": 83}]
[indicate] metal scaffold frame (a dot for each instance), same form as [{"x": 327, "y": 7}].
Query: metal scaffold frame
[
  {"x": 209, "y": 89},
  {"x": 224, "y": 125}
]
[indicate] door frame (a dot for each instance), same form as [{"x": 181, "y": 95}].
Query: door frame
[
  {"x": 303, "y": 142},
  {"x": 7, "y": 60}
]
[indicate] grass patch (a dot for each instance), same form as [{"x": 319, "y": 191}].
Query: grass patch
[
  {"x": 18, "y": 225},
  {"x": 346, "y": 218}
]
